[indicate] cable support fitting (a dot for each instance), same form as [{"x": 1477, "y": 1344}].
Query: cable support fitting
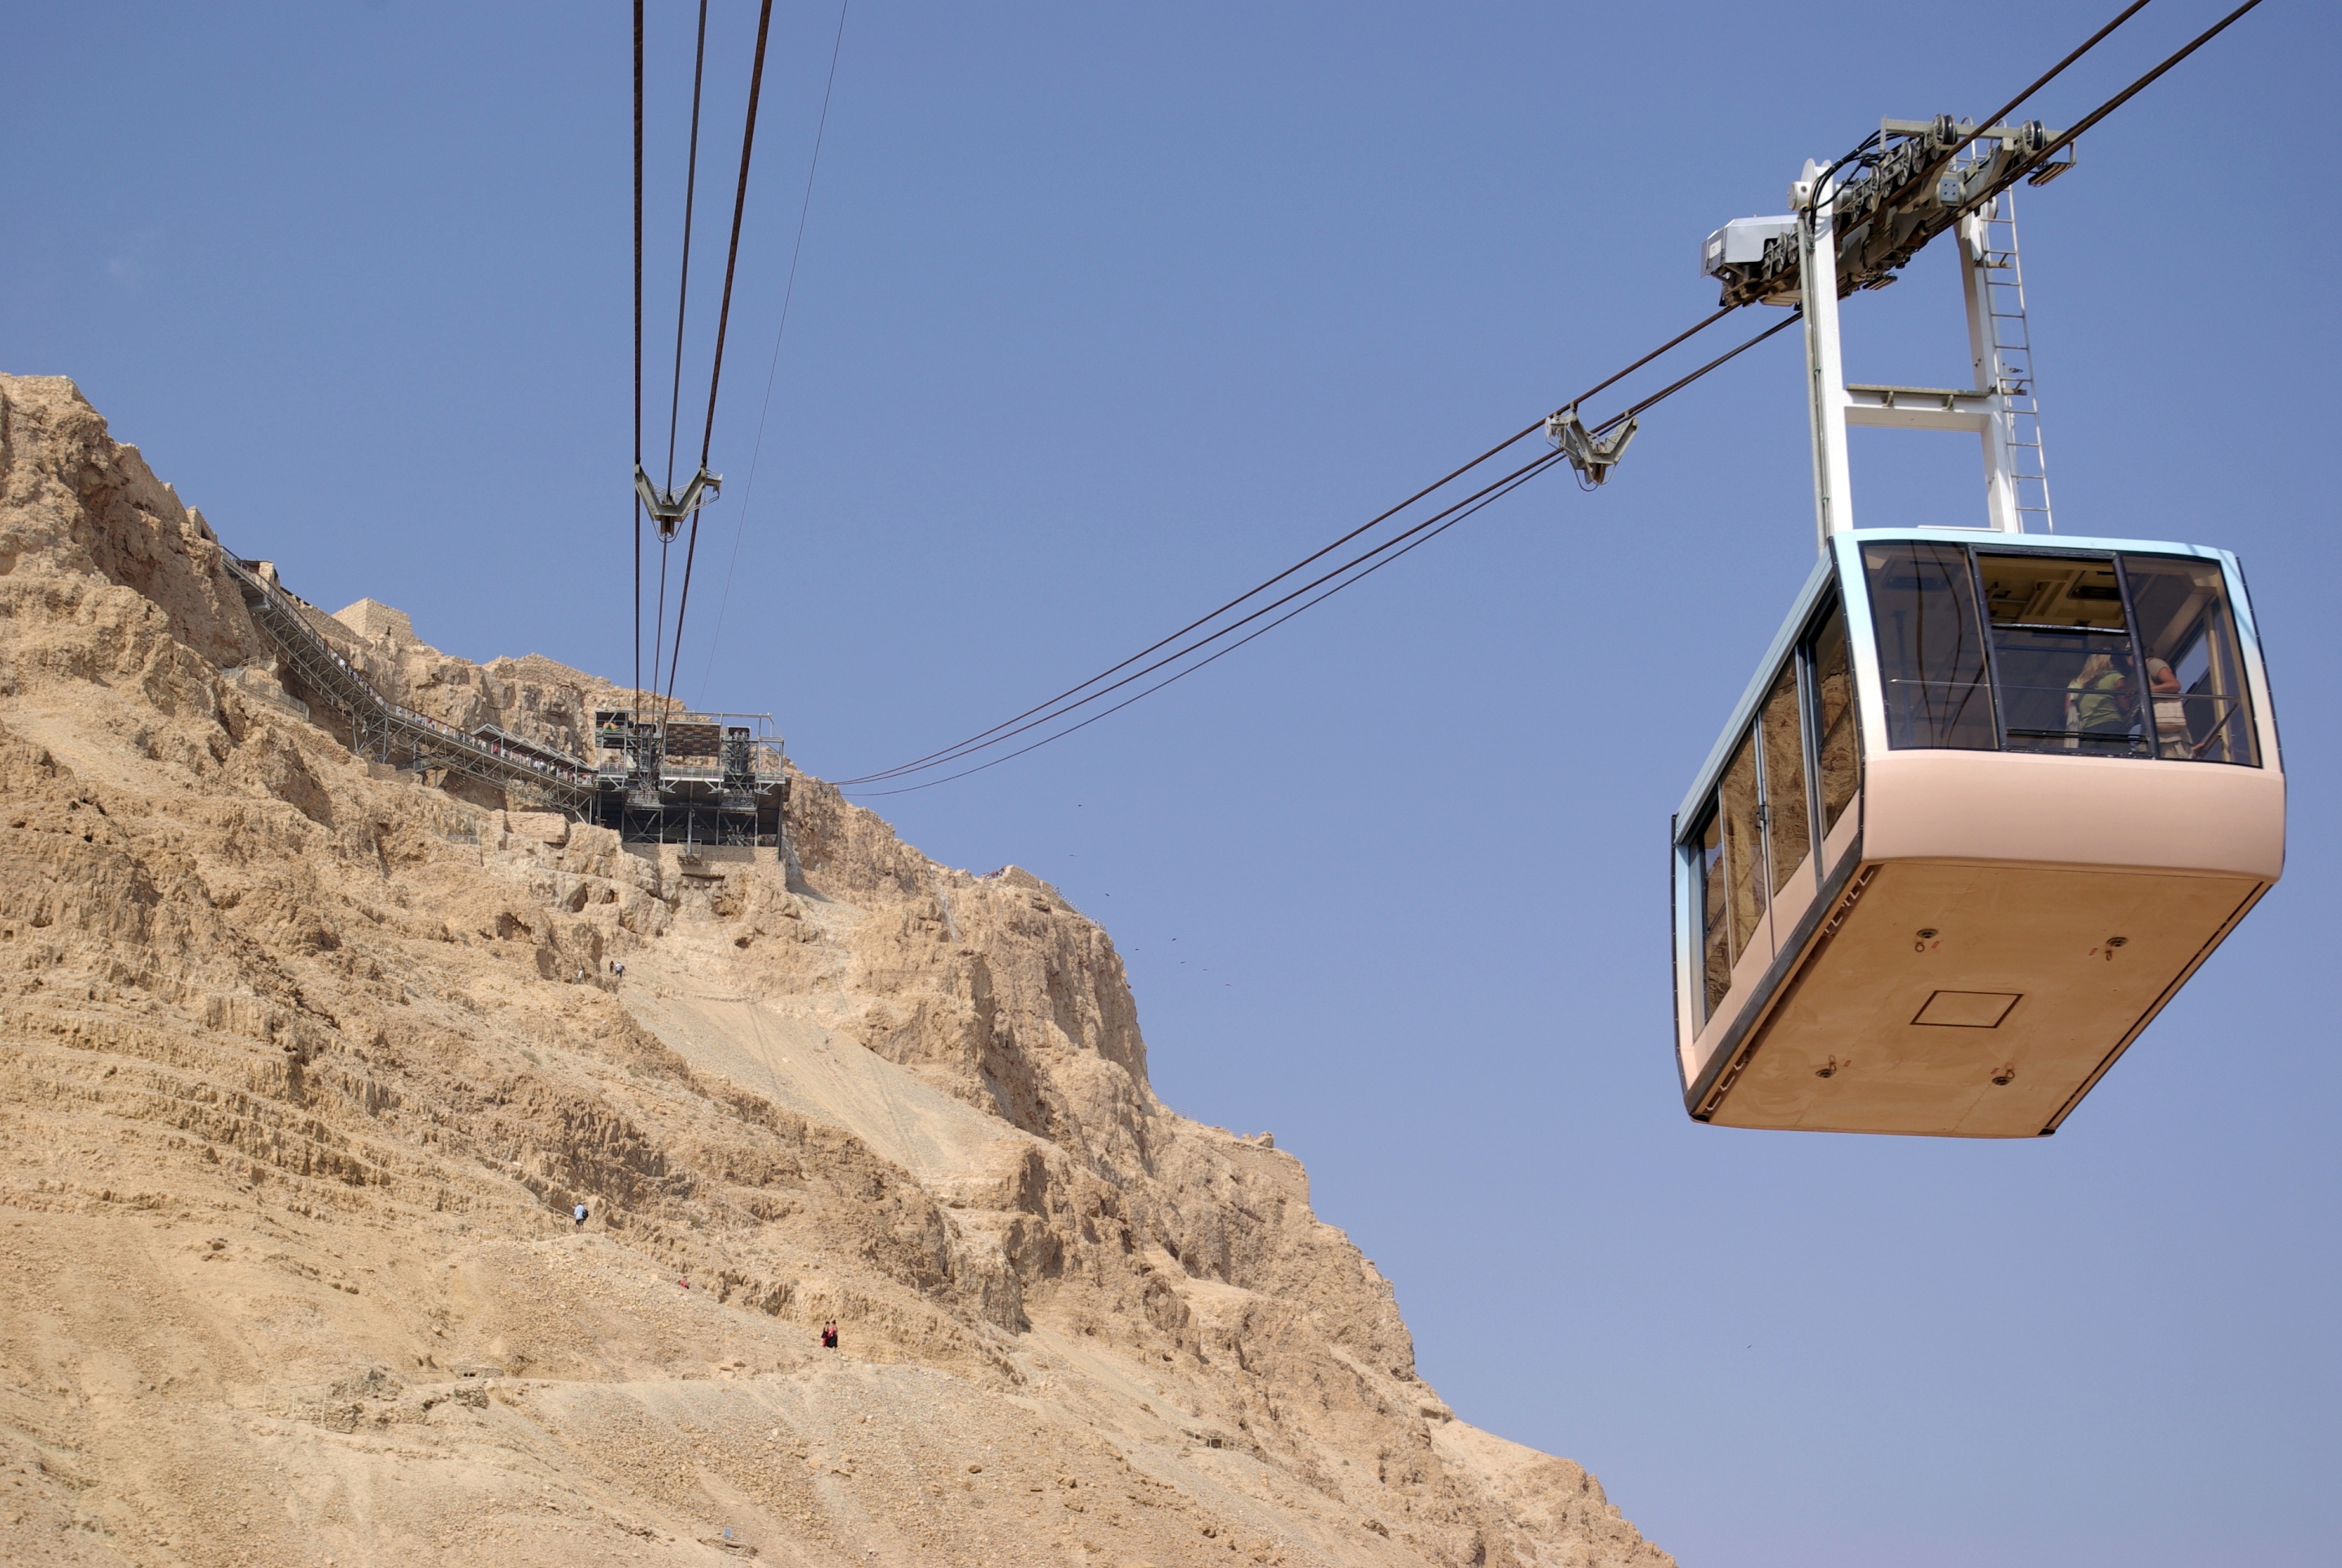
[
  {"x": 1592, "y": 455},
  {"x": 669, "y": 508}
]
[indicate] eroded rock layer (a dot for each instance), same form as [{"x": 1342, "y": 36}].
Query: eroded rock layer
[{"x": 304, "y": 1065}]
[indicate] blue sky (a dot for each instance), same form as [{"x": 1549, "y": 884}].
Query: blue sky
[{"x": 1106, "y": 312}]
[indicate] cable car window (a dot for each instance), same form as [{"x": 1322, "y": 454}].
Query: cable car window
[
  {"x": 1744, "y": 867},
  {"x": 1931, "y": 653},
  {"x": 1716, "y": 925},
  {"x": 2068, "y": 671},
  {"x": 2196, "y": 677},
  {"x": 1837, "y": 758},
  {"x": 1789, "y": 826}
]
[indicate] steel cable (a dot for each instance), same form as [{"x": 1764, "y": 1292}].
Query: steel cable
[
  {"x": 638, "y": 346},
  {"x": 2054, "y": 72},
  {"x": 723, "y": 321},
  {"x": 1672, "y": 388},
  {"x": 1356, "y": 569},
  {"x": 956, "y": 753},
  {"x": 1496, "y": 492},
  {"x": 2124, "y": 96},
  {"x": 682, "y": 298},
  {"x": 659, "y": 628},
  {"x": 739, "y": 205},
  {"x": 1348, "y": 572},
  {"x": 773, "y": 369},
  {"x": 2051, "y": 75},
  {"x": 960, "y": 748},
  {"x": 682, "y": 283},
  {"x": 1049, "y": 710}
]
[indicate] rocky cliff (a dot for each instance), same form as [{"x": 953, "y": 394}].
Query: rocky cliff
[{"x": 304, "y": 1065}]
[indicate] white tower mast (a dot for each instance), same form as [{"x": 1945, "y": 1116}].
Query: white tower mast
[{"x": 2000, "y": 409}]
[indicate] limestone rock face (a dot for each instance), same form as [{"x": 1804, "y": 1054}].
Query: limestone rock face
[{"x": 303, "y": 1071}]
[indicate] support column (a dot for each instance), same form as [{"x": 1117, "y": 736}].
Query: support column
[{"x": 1825, "y": 372}]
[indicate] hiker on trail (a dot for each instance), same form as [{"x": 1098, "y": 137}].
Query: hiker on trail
[
  {"x": 580, "y": 1214},
  {"x": 829, "y": 1336}
]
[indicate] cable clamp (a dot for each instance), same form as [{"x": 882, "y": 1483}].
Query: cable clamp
[
  {"x": 669, "y": 508},
  {"x": 1592, "y": 455}
]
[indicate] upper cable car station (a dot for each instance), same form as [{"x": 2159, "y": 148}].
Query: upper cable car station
[
  {"x": 702, "y": 781},
  {"x": 1993, "y": 794}
]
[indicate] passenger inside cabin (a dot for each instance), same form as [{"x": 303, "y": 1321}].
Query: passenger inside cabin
[
  {"x": 2097, "y": 704},
  {"x": 2100, "y": 708},
  {"x": 2171, "y": 731}
]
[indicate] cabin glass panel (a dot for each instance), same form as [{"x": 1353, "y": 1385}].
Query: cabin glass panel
[
  {"x": 1837, "y": 753},
  {"x": 2066, "y": 652},
  {"x": 2067, "y": 671},
  {"x": 1729, "y": 862},
  {"x": 2195, "y": 676},
  {"x": 1756, "y": 830},
  {"x": 1789, "y": 826},
  {"x": 1744, "y": 850},
  {"x": 1932, "y": 668},
  {"x": 1715, "y": 918}
]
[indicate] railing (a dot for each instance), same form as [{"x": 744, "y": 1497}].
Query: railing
[
  {"x": 380, "y": 729},
  {"x": 2121, "y": 729}
]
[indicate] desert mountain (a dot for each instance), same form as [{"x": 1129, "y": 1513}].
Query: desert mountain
[{"x": 305, "y": 1062}]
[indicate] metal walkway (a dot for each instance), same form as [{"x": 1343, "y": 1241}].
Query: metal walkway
[{"x": 382, "y": 732}]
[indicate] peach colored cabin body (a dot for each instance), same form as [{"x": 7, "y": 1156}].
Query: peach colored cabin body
[{"x": 2044, "y": 781}]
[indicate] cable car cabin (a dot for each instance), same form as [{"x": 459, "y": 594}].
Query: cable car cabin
[{"x": 1987, "y": 804}]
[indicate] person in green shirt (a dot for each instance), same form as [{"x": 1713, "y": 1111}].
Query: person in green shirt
[{"x": 2099, "y": 703}]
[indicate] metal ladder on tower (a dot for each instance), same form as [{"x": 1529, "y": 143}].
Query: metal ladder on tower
[{"x": 2011, "y": 373}]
